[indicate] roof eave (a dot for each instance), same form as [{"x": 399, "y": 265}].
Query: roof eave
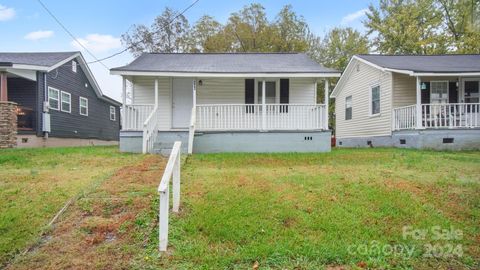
[{"x": 223, "y": 74}]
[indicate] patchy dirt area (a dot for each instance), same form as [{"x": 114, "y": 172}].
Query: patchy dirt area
[{"x": 98, "y": 231}]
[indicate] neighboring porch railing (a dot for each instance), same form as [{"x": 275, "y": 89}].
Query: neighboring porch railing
[
  {"x": 260, "y": 117},
  {"x": 405, "y": 117},
  {"x": 451, "y": 115},
  {"x": 135, "y": 116}
]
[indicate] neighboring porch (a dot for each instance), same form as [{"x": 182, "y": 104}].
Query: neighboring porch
[
  {"x": 440, "y": 103},
  {"x": 23, "y": 92},
  {"x": 203, "y": 106}
]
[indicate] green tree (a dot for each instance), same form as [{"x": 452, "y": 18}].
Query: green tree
[
  {"x": 462, "y": 21},
  {"x": 249, "y": 29},
  {"x": 338, "y": 46},
  {"x": 334, "y": 51},
  {"x": 168, "y": 33},
  {"x": 406, "y": 27},
  {"x": 202, "y": 37},
  {"x": 291, "y": 31}
]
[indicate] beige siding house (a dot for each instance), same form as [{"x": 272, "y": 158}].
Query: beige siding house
[
  {"x": 409, "y": 101},
  {"x": 251, "y": 102}
]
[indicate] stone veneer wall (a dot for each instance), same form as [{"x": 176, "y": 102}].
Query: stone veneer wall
[{"x": 8, "y": 124}]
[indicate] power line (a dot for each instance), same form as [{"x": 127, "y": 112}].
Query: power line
[
  {"x": 129, "y": 47},
  {"x": 71, "y": 35}
]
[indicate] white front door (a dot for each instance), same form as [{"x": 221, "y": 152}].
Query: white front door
[{"x": 182, "y": 102}]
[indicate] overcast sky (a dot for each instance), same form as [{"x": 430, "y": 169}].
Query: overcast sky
[{"x": 26, "y": 26}]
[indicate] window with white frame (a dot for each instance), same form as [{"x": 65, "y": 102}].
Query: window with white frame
[
  {"x": 113, "y": 113},
  {"x": 375, "y": 100},
  {"x": 270, "y": 92},
  {"x": 53, "y": 98},
  {"x": 74, "y": 66},
  {"x": 83, "y": 106},
  {"x": 438, "y": 92},
  {"x": 348, "y": 108},
  {"x": 66, "y": 102}
]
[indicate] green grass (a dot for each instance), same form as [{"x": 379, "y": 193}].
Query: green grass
[
  {"x": 284, "y": 211},
  {"x": 36, "y": 183},
  {"x": 304, "y": 211}
]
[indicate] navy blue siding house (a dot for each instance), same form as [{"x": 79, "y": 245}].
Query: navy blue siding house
[{"x": 58, "y": 100}]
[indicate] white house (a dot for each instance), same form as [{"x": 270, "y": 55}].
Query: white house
[
  {"x": 418, "y": 101},
  {"x": 224, "y": 102}
]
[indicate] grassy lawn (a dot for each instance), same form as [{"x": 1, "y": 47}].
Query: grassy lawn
[
  {"x": 36, "y": 183},
  {"x": 307, "y": 211},
  {"x": 335, "y": 210}
]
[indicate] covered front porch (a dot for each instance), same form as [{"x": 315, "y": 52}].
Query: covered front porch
[
  {"x": 440, "y": 102},
  {"x": 20, "y": 87},
  {"x": 225, "y": 105}
]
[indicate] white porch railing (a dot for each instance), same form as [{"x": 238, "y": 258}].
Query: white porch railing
[
  {"x": 172, "y": 169},
  {"x": 191, "y": 130},
  {"x": 135, "y": 116},
  {"x": 450, "y": 115},
  {"x": 150, "y": 131},
  {"x": 453, "y": 115},
  {"x": 405, "y": 117},
  {"x": 260, "y": 117}
]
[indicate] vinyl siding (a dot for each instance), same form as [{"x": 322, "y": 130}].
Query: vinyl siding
[
  {"x": 302, "y": 91},
  {"x": 404, "y": 90},
  {"x": 221, "y": 91},
  {"x": 212, "y": 91},
  {"x": 144, "y": 93},
  {"x": 97, "y": 125},
  {"x": 232, "y": 91},
  {"x": 358, "y": 85}
]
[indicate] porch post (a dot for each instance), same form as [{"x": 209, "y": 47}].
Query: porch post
[
  {"x": 326, "y": 104},
  {"x": 156, "y": 93},
  {"x": 264, "y": 107},
  {"x": 124, "y": 102},
  {"x": 194, "y": 92},
  {"x": 419, "y": 103},
  {"x": 3, "y": 87}
]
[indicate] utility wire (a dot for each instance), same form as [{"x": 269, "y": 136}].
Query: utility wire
[
  {"x": 71, "y": 35},
  {"x": 129, "y": 47}
]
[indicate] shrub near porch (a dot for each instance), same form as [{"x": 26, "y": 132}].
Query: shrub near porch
[{"x": 306, "y": 210}]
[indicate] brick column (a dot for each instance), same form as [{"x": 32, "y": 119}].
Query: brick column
[{"x": 8, "y": 124}]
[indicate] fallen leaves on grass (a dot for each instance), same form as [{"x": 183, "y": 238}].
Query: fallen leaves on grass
[{"x": 98, "y": 231}]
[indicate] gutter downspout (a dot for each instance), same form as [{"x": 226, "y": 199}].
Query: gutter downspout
[{"x": 45, "y": 102}]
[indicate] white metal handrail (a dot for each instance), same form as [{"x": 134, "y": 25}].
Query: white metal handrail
[
  {"x": 191, "y": 130},
  {"x": 172, "y": 171},
  {"x": 405, "y": 117},
  {"x": 135, "y": 116},
  {"x": 259, "y": 117},
  {"x": 150, "y": 131}
]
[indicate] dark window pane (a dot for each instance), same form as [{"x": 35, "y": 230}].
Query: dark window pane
[{"x": 348, "y": 113}]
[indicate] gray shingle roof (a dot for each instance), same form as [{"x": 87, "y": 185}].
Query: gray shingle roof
[
  {"x": 44, "y": 59},
  {"x": 225, "y": 63},
  {"x": 454, "y": 63}
]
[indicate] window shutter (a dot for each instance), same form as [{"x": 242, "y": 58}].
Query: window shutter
[
  {"x": 452, "y": 92},
  {"x": 249, "y": 94},
  {"x": 284, "y": 94},
  {"x": 425, "y": 94}
]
